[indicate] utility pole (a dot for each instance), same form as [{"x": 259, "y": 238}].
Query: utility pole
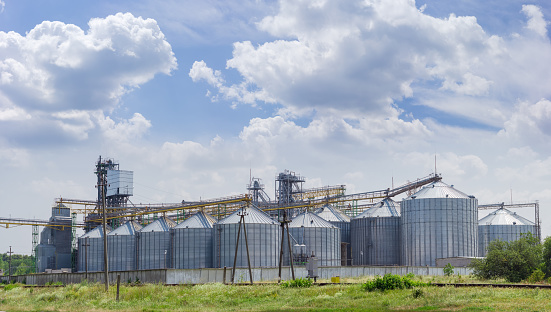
[{"x": 9, "y": 266}]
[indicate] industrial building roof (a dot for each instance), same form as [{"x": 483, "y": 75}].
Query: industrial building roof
[
  {"x": 97, "y": 232},
  {"x": 332, "y": 214},
  {"x": 252, "y": 216},
  {"x": 438, "y": 190},
  {"x": 385, "y": 208},
  {"x": 200, "y": 220},
  {"x": 503, "y": 216},
  {"x": 309, "y": 219},
  {"x": 128, "y": 228},
  {"x": 162, "y": 224}
]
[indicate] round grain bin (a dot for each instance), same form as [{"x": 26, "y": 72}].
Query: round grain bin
[
  {"x": 90, "y": 250},
  {"x": 121, "y": 247},
  {"x": 192, "y": 242},
  {"x": 153, "y": 243},
  {"x": 504, "y": 225},
  {"x": 263, "y": 235},
  {"x": 438, "y": 222},
  {"x": 376, "y": 235},
  {"x": 342, "y": 221},
  {"x": 320, "y": 237}
]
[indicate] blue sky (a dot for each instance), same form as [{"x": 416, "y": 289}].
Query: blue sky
[{"x": 193, "y": 96}]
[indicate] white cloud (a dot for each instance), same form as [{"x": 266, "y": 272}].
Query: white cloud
[
  {"x": 2, "y": 6},
  {"x": 58, "y": 74},
  {"x": 536, "y": 21},
  {"x": 126, "y": 130},
  {"x": 530, "y": 123}
]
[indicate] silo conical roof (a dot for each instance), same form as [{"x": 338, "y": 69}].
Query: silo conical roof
[
  {"x": 162, "y": 224},
  {"x": 332, "y": 214},
  {"x": 309, "y": 219},
  {"x": 438, "y": 189},
  {"x": 128, "y": 228},
  {"x": 384, "y": 208},
  {"x": 200, "y": 220},
  {"x": 252, "y": 216},
  {"x": 503, "y": 216},
  {"x": 97, "y": 232}
]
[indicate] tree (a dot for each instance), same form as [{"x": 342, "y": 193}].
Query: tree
[
  {"x": 547, "y": 256},
  {"x": 514, "y": 261}
]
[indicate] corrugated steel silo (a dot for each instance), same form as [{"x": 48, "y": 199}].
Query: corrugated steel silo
[
  {"x": 342, "y": 221},
  {"x": 319, "y": 236},
  {"x": 192, "y": 242},
  {"x": 153, "y": 243},
  {"x": 376, "y": 235},
  {"x": 263, "y": 234},
  {"x": 90, "y": 250},
  {"x": 504, "y": 225},
  {"x": 438, "y": 222},
  {"x": 121, "y": 247}
]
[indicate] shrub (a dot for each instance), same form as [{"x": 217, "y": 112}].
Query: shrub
[
  {"x": 10, "y": 286},
  {"x": 514, "y": 261},
  {"x": 536, "y": 276},
  {"x": 391, "y": 281},
  {"x": 448, "y": 269},
  {"x": 299, "y": 282},
  {"x": 417, "y": 293}
]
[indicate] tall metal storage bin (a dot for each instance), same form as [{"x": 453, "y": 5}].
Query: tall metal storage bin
[
  {"x": 438, "y": 222},
  {"x": 317, "y": 236},
  {"x": 90, "y": 250},
  {"x": 192, "y": 242},
  {"x": 121, "y": 247},
  {"x": 504, "y": 225},
  {"x": 153, "y": 242},
  {"x": 376, "y": 235},
  {"x": 342, "y": 221},
  {"x": 263, "y": 234}
]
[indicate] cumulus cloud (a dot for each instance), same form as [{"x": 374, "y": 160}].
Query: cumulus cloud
[
  {"x": 536, "y": 21},
  {"x": 366, "y": 57},
  {"x": 57, "y": 73},
  {"x": 529, "y": 123},
  {"x": 125, "y": 130}
]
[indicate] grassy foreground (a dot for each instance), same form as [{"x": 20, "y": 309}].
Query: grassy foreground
[{"x": 219, "y": 297}]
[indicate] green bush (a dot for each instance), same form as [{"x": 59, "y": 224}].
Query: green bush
[
  {"x": 514, "y": 261},
  {"x": 536, "y": 276},
  {"x": 391, "y": 281},
  {"x": 448, "y": 270},
  {"x": 417, "y": 293},
  {"x": 299, "y": 282},
  {"x": 10, "y": 287}
]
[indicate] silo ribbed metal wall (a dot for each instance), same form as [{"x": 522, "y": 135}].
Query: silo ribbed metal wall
[
  {"x": 507, "y": 233},
  {"x": 151, "y": 250},
  {"x": 93, "y": 254},
  {"x": 345, "y": 238},
  {"x": 45, "y": 257},
  {"x": 264, "y": 242},
  {"x": 376, "y": 241},
  {"x": 438, "y": 228},
  {"x": 324, "y": 242},
  {"x": 122, "y": 252},
  {"x": 192, "y": 248}
]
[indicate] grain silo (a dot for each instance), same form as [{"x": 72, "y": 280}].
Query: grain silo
[
  {"x": 504, "y": 225},
  {"x": 192, "y": 242},
  {"x": 153, "y": 244},
  {"x": 90, "y": 250},
  {"x": 263, "y": 233},
  {"x": 376, "y": 235},
  {"x": 438, "y": 222},
  {"x": 318, "y": 236},
  {"x": 342, "y": 221},
  {"x": 121, "y": 247}
]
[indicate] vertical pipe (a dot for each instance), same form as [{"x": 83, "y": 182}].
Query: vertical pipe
[
  {"x": 281, "y": 250},
  {"x": 290, "y": 250}
]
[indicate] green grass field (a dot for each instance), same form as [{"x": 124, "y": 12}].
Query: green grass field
[{"x": 219, "y": 297}]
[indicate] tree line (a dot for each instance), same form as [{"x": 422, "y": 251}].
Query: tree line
[
  {"x": 515, "y": 261},
  {"x": 20, "y": 264}
]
